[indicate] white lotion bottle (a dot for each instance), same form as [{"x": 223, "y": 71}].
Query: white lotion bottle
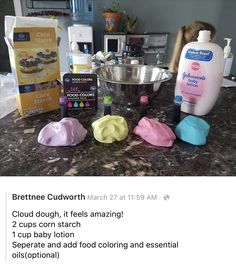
[
  {"x": 228, "y": 58},
  {"x": 74, "y": 49},
  {"x": 200, "y": 75}
]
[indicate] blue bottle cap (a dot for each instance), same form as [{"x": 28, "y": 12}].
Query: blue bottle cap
[{"x": 178, "y": 99}]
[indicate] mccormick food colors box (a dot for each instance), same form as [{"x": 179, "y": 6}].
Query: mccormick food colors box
[
  {"x": 81, "y": 91},
  {"x": 34, "y": 58}
]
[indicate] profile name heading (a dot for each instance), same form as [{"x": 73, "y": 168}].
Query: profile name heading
[{"x": 50, "y": 197}]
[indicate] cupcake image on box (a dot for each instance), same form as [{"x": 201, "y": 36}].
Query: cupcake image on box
[
  {"x": 30, "y": 65},
  {"x": 47, "y": 56}
]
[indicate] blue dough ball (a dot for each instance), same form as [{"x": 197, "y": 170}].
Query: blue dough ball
[{"x": 193, "y": 130}]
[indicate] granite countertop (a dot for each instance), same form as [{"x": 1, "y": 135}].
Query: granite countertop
[{"x": 22, "y": 155}]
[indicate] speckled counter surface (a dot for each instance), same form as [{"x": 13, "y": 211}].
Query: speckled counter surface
[{"x": 22, "y": 155}]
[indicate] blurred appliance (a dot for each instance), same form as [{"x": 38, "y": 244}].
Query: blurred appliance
[
  {"x": 115, "y": 42},
  {"x": 82, "y": 11},
  {"x": 39, "y": 4},
  {"x": 83, "y": 35},
  {"x": 154, "y": 46}
]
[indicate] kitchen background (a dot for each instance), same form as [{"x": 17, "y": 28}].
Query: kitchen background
[{"x": 153, "y": 16}]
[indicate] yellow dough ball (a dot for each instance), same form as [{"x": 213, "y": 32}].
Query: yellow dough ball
[{"x": 110, "y": 128}]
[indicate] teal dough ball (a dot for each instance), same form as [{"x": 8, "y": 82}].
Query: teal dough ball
[{"x": 193, "y": 130}]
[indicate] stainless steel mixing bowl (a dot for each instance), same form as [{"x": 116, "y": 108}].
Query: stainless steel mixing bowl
[{"x": 127, "y": 82}]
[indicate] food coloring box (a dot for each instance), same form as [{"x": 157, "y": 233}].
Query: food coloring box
[
  {"x": 81, "y": 91},
  {"x": 34, "y": 61}
]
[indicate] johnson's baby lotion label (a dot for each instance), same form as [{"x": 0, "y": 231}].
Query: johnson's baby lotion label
[{"x": 199, "y": 77}]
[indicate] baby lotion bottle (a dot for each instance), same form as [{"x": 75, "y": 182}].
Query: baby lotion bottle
[
  {"x": 200, "y": 75},
  {"x": 228, "y": 58}
]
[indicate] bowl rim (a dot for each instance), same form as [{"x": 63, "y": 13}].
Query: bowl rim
[{"x": 95, "y": 71}]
